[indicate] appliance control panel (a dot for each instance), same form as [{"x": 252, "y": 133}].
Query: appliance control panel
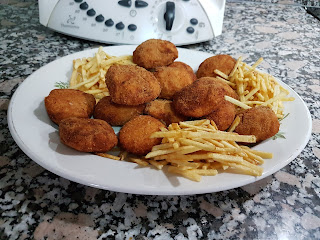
[{"x": 134, "y": 21}]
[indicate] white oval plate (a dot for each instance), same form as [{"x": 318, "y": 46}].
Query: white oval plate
[{"x": 38, "y": 137}]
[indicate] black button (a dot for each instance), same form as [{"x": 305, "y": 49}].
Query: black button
[
  {"x": 99, "y": 18},
  {"x": 186, "y": 0},
  {"x": 78, "y": 1},
  {"x": 140, "y": 4},
  {"x": 194, "y": 21},
  {"x": 190, "y": 30},
  {"x": 84, "y": 6},
  {"x": 132, "y": 27},
  {"x": 120, "y": 26},
  {"x": 125, "y": 3},
  {"x": 109, "y": 23},
  {"x": 91, "y": 12}
]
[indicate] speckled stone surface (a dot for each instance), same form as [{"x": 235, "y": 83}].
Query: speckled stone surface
[{"x": 36, "y": 204}]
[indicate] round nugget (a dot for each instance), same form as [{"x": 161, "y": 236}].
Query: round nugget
[
  {"x": 131, "y": 85},
  {"x": 260, "y": 121},
  {"x": 224, "y": 63},
  {"x": 162, "y": 109},
  {"x": 134, "y": 136},
  {"x": 65, "y": 103},
  {"x": 201, "y": 97},
  {"x": 116, "y": 114},
  {"x": 87, "y": 135},
  {"x": 173, "y": 78},
  {"x": 223, "y": 115},
  {"x": 155, "y": 53}
]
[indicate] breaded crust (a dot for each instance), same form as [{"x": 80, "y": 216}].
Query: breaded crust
[
  {"x": 87, "y": 135},
  {"x": 65, "y": 103},
  {"x": 131, "y": 85},
  {"x": 224, "y": 63},
  {"x": 173, "y": 78},
  {"x": 134, "y": 136},
  {"x": 162, "y": 109},
  {"x": 155, "y": 53},
  {"x": 223, "y": 115},
  {"x": 260, "y": 121},
  {"x": 116, "y": 114},
  {"x": 201, "y": 97}
]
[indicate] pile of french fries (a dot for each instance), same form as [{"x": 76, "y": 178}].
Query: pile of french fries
[
  {"x": 88, "y": 74},
  {"x": 255, "y": 88},
  {"x": 197, "y": 148}
]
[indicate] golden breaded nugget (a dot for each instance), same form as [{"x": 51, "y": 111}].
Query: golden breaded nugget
[
  {"x": 223, "y": 115},
  {"x": 260, "y": 121},
  {"x": 173, "y": 78},
  {"x": 87, "y": 135},
  {"x": 134, "y": 136},
  {"x": 131, "y": 85},
  {"x": 116, "y": 114},
  {"x": 65, "y": 103},
  {"x": 201, "y": 97},
  {"x": 224, "y": 63},
  {"x": 155, "y": 53},
  {"x": 162, "y": 109}
]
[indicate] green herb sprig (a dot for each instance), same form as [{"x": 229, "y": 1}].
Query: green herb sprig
[{"x": 61, "y": 85}]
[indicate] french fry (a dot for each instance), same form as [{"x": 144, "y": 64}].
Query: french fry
[
  {"x": 88, "y": 74},
  {"x": 255, "y": 88},
  {"x": 139, "y": 161},
  {"x": 201, "y": 149},
  {"x": 106, "y": 155}
]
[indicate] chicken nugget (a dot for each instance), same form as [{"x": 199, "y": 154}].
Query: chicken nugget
[
  {"x": 155, "y": 53},
  {"x": 173, "y": 78},
  {"x": 131, "y": 85},
  {"x": 162, "y": 109},
  {"x": 87, "y": 135},
  {"x": 201, "y": 97},
  {"x": 65, "y": 103},
  {"x": 134, "y": 136},
  {"x": 224, "y": 63},
  {"x": 223, "y": 115},
  {"x": 116, "y": 114},
  {"x": 260, "y": 121}
]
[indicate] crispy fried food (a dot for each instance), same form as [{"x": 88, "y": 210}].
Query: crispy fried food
[
  {"x": 131, "y": 85},
  {"x": 224, "y": 63},
  {"x": 116, "y": 114},
  {"x": 223, "y": 115},
  {"x": 87, "y": 135},
  {"x": 260, "y": 121},
  {"x": 65, "y": 103},
  {"x": 162, "y": 109},
  {"x": 173, "y": 78},
  {"x": 155, "y": 53},
  {"x": 134, "y": 136},
  {"x": 201, "y": 97}
]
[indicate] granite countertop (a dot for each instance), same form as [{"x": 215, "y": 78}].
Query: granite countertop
[{"x": 37, "y": 204}]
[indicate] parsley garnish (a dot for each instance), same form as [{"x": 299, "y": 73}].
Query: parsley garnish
[{"x": 61, "y": 85}]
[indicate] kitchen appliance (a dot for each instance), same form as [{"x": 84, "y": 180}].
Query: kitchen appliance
[{"x": 134, "y": 21}]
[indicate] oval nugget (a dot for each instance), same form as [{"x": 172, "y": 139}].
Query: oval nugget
[
  {"x": 116, "y": 114},
  {"x": 201, "y": 97},
  {"x": 65, "y": 103},
  {"x": 223, "y": 115},
  {"x": 224, "y": 63},
  {"x": 173, "y": 78},
  {"x": 162, "y": 109},
  {"x": 155, "y": 53},
  {"x": 134, "y": 136},
  {"x": 87, "y": 135},
  {"x": 260, "y": 121},
  {"x": 131, "y": 85}
]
